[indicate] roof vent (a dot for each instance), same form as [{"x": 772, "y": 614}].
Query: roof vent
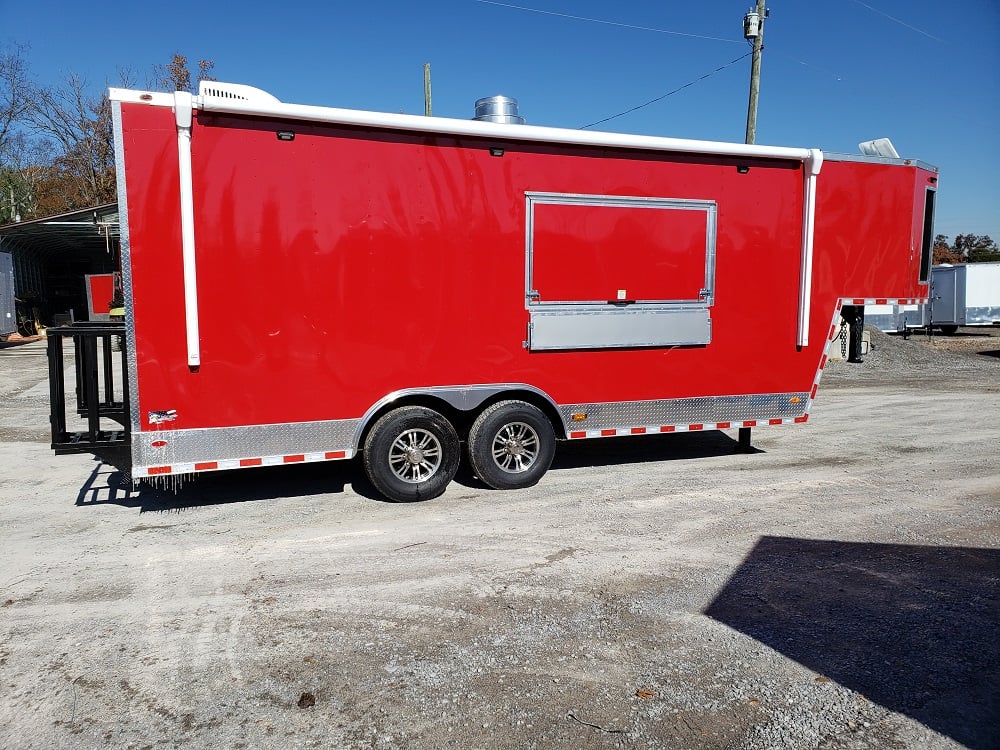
[
  {"x": 501, "y": 109},
  {"x": 879, "y": 147},
  {"x": 238, "y": 91}
]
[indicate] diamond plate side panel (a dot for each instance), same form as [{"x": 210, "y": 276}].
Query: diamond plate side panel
[
  {"x": 683, "y": 411},
  {"x": 982, "y": 315},
  {"x": 220, "y": 443},
  {"x": 125, "y": 249}
]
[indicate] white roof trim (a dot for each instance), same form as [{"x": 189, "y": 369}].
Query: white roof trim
[{"x": 266, "y": 106}]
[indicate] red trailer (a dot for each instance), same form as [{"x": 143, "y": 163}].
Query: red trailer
[{"x": 306, "y": 283}]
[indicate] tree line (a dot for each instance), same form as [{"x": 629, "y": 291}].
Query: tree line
[
  {"x": 967, "y": 248},
  {"x": 56, "y": 141}
]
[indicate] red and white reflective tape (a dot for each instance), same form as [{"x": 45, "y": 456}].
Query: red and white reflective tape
[
  {"x": 834, "y": 333},
  {"x": 885, "y": 301},
  {"x": 658, "y": 429},
  {"x": 239, "y": 463}
]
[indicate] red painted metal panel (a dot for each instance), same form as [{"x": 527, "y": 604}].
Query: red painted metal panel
[
  {"x": 346, "y": 264},
  {"x": 590, "y": 253},
  {"x": 102, "y": 290},
  {"x": 869, "y": 226}
]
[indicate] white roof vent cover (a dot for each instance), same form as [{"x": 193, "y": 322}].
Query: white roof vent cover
[
  {"x": 879, "y": 147},
  {"x": 238, "y": 91}
]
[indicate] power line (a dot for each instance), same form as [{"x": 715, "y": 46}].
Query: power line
[
  {"x": 609, "y": 23},
  {"x": 901, "y": 23},
  {"x": 669, "y": 93},
  {"x": 666, "y": 31}
]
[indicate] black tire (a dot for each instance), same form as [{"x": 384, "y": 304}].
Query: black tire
[
  {"x": 949, "y": 330},
  {"x": 411, "y": 453},
  {"x": 511, "y": 445}
]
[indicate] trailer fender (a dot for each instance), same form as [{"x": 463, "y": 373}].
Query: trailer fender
[{"x": 465, "y": 399}]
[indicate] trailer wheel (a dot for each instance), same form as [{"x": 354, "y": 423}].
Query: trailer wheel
[
  {"x": 511, "y": 445},
  {"x": 411, "y": 453},
  {"x": 949, "y": 330}
]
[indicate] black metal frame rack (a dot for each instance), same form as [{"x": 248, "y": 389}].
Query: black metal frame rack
[{"x": 92, "y": 402}]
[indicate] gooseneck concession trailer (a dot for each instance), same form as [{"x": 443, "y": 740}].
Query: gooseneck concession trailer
[{"x": 307, "y": 283}]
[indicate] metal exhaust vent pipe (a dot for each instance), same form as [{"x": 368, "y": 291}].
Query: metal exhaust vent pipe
[{"x": 501, "y": 109}]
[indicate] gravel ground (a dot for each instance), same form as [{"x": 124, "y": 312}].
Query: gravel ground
[
  {"x": 835, "y": 589},
  {"x": 911, "y": 360}
]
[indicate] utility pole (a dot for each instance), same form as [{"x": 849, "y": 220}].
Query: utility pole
[
  {"x": 427, "y": 89},
  {"x": 753, "y": 28}
]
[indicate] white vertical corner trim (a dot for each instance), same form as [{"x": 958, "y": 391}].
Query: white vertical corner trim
[
  {"x": 183, "y": 105},
  {"x": 811, "y": 168}
]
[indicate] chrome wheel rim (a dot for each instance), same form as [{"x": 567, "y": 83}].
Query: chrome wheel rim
[
  {"x": 415, "y": 456},
  {"x": 515, "y": 447}
]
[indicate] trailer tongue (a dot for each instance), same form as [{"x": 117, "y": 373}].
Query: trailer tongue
[{"x": 307, "y": 283}]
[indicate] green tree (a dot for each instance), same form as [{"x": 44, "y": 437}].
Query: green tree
[{"x": 977, "y": 248}]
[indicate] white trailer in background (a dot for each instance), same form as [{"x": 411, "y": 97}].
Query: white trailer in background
[
  {"x": 961, "y": 295},
  {"x": 965, "y": 295}
]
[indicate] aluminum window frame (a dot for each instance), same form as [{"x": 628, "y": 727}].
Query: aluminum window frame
[
  {"x": 710, "y": 207},
  {"x": 616, "y": 324}
]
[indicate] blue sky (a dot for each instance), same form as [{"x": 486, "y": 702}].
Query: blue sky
[{"x": 924, "y": 74}]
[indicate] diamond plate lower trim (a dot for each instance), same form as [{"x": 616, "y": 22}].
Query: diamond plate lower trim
[
  {"x": 686, "y": 411},
  {"x": 185, "y": 450},
  {"x": 982, "y": 315},
  {"x": 174, "y": 447}
]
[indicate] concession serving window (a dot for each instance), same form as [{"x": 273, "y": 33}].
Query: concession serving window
[{"x": 609, "y": 271}]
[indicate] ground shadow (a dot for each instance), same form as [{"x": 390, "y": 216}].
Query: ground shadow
[
  {"x": 109, "y": 482},
  {"x": 992, "y": 353},
  {"x": 639, "y": 449},
  {"x": 916, "y": 629},
  {"x": 617, "y": 451}
]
